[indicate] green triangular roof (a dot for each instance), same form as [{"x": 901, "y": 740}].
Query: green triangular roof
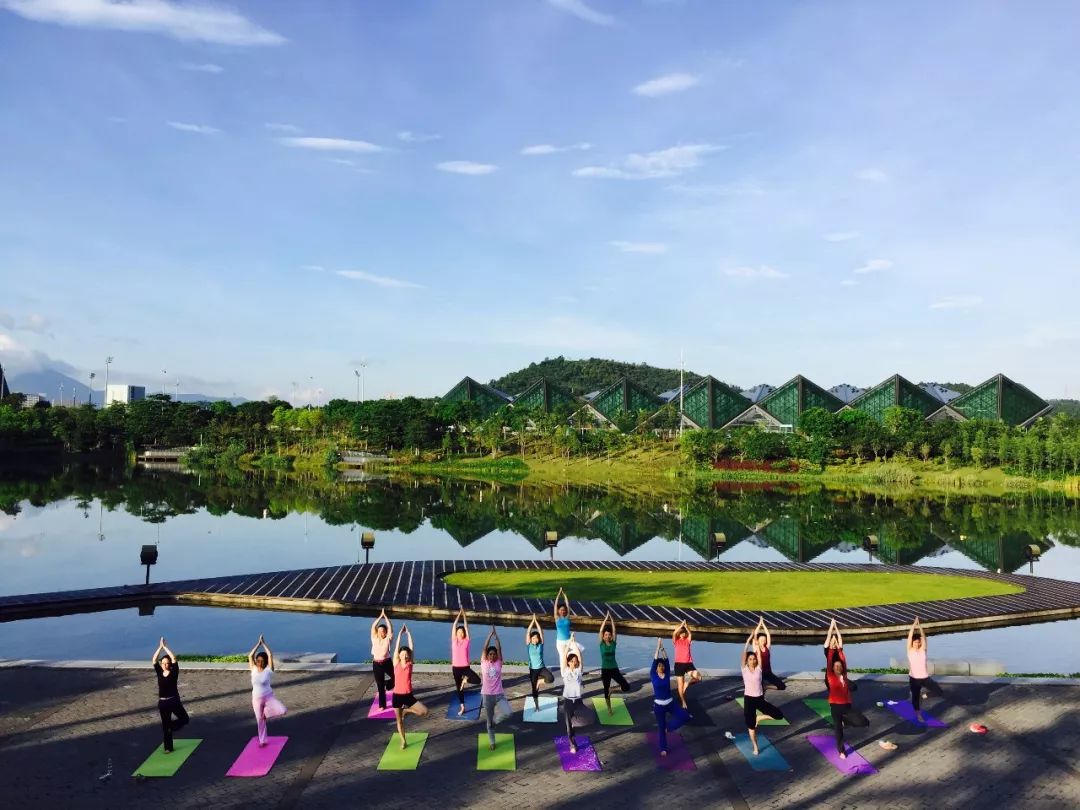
[
  {"x": 788, "y": 402},
  {"x": 1001, "y": 398},
  {"x": 896, "y": 390}
]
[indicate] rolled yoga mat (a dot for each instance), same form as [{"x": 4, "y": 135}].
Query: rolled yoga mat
[
  {"x": 620, "y": 715},
  {"x": 584, "y": 760},
  {"x": 904, "y": 709},
  {"x": 548, "y": 713},
  {"x": 394, "y": 759},
  {"x": 678, "y": 757},
  {"x": 473, "y": 702},
  {"x": 161, "y": 764},
  {"x": 503, "y": 758},
  {"x": 854, "y": 764},
  {"x": 375, "y": 713},
  {"x": 769, "y": 758},
  {"x": 256, "y": 761},
  {"x": 764, "y": 719}
]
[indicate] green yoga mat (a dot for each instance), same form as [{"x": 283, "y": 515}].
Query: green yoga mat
[
  {"x": 820, "y": 707},
  {"x": 161, "y": 764},
  {"x": 503, "y": 758},
  {"x": 620, "y": 715},
  {"x": 765, "y": 720},
  {"x": 394, "y": 759}
]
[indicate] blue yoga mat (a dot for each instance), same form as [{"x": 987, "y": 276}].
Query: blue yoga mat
[
  {"x": 769, "y": 759},
  {"x": 473, "y": 702},
  {"x": 549, "y": 710}
]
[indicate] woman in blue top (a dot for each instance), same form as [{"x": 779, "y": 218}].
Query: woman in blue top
[
  {"x": 663, "y": 703},
  {"x": 562, "y": 624},
  {"x": 534, "y": 642}
]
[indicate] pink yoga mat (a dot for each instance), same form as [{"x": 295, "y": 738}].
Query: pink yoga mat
[
  {"x": 677, "y": 759},
  {"x": 854, "y": 764},
  {"x": 256, "y": 761},
  {"x": 584, "y": 760},
  {"x": 375, "y": 713}
]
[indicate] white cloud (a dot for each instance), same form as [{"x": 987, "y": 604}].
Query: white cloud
[
  {"x": 873, "y": 175},
  {"x": 549, "y": 149},
  {"x": 582, "y": 11},
  {"x": 755, "y": 273},
  {"x": 957, "y": 302},
  {"x": 199, "y": 22},
  {"x": 35, "y": 322},
  {"x": 874, "y": 266},
  {"x": 331, "y": 145},
  {"x": 667, "y": 84},
  {"x": 662, "y": 163},
  {"x": 416, "y": 137},
  {"x": 204, "y": 67},
  {"x": 379, "y": 281},
  {"x": 842, "y": 236},
  {"x": 290, "y": 128},
  {"x": 640, "y": 247},
  {"x": 314, "y": 268},
  {"x": 198, "y": 129},
  {"x": 465, "y": 167}
]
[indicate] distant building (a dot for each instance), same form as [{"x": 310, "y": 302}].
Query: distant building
[
  {"x": 32, "y": 400},
  {"x": 4, "y": 390},
  {"x": 125, "y": 394}
]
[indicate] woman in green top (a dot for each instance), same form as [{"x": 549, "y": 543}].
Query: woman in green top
[{"x": 609, "y": 668}]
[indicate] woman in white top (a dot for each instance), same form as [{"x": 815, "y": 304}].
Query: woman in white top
[
  {"x": 754, "y": 691},
  {"x": 261, "y": 664},
  {"x": 382, "y": 634},
  {"x": 918, "y": 671},
  {"x": 572, "y": 672}
]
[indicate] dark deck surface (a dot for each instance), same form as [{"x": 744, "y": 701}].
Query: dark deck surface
[{"x": 417, "y": 589}]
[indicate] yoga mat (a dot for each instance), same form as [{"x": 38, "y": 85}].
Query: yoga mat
[
  {"x": 765, "y": 720},
  {"x": 256, "y": 761},
  {"x": 769, "y": 759},
  {"x": 854, "y": 764},
  {"x": 584, "y": 760},
  {"x": 820, "y": 707},
  {"x": 677, "y": 759},
  {"x": 549, "y": 710},
  {"x": 620, "y": 714},
  {"x": 904, "y": 709},
  {"x": 394, "y": 759},
  {"x": 161, "y": 764},
  {"x": 503, "y": 758},
  {"x": 473, "y": 702},
  {"x": 375, "y": 713}
]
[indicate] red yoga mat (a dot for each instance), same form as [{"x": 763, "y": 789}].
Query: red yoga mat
[{"x": 256, "y": 761}]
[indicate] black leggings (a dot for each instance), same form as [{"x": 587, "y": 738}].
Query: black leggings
[
  {"x": 466, "y": 674},
  {"x": 167, "y": 707},
  {"x": 570, "y": 705},
  {"x": 920, "y": 685},
  {"x": 752, "y": 705},
  {"x": 609, "y": 675},
  {"x": 773, "y": 680},
  {"x": 844, "y": 714},
  {"x": 537, "y": 675},
  {"x": 384, "y": 678}
]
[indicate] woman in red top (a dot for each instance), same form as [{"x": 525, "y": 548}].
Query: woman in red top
[
  {"x": 840, "y": 688},
  {"x": 684, "y": 671},
  {"x": 402, "y": 699}
]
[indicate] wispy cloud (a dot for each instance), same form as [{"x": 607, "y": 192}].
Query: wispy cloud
[
  {"x": 287, "y": 128},
  {"x": 204, "y": 67},
  {"x": 582, "y": 11},
  {"x": 640, "y": 247},
  {"x": 332, "y": 145},
  {"x": 198, "y": 22},
  {"x": 872, "y": 174},
  {"x": 958, "y": 302},
  {"x": 550, "y": 149},
  {"x": 762, "y": 272},
  {"x": 379, "y": 281},
  {"x": 35, "y": 322},
  {"x": 874, "y": 266},
  {"x": 417, "y": 137},
  {"x": 198, "y": 129},
  {"x": 663, "y": 163},
  {"x": 666, "y": 85},
  {"x": 842, "y": 236},
  {"x": 465, "y": 167}
]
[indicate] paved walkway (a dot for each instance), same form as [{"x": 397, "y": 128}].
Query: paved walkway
[{"x": 59, "y": 728}]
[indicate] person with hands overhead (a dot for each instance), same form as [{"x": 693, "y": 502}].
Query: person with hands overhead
[
  {"x": 609, "y": 667},
  {"x": 382, "y": 667},
  {"x": 685, "y": 672},
  {"x": 460, "y": 657},
  {"x": 754, "y": 691},
  {"x": 572, "y": 671},
  {"x": 263, "y": 702},
  {"x": 402, "y": 699},
  {"x": 763, "y": 647},
  {"x": 563, "y": 628},
  {"x": 663, "y": 703},
  {"x": 167, "y": 669},
  {"x": 840, "y": 689},
  {"x": 491, "y": 687},
  {"x": 534, "y": 644},
  {"x": 919, "y": 680}
]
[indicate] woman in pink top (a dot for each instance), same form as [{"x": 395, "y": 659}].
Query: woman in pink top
[
  {"x": 491, "y": 687},
  {"x": 403, "y": 700},
  {"x": 459, "y": 658},
  {"x": 754, "y": 691},
  {"x": 684, "y": 670},
  {"x": 918, "y": 673},
  {"x": 382, "y": 633}
]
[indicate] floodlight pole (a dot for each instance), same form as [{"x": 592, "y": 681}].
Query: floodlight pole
[{"x": 682, "y": 371}]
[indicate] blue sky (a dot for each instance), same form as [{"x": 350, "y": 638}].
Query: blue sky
[{"x": 259, "y": 194}]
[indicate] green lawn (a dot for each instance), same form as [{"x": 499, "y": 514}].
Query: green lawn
[{"x": 733, "y": 590}]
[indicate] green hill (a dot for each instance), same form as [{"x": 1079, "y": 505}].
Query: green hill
[
  {"x": 582, "y": 376},
  {"x": 1068, "y": 406}
]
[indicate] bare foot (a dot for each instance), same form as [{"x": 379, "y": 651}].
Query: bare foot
[
  {"x": 262, "y": 745},
  {"x": 756, "y": 752},
  {"x": 491, "y": 746},
  {"x": 461, "y": 710},
  {"x": 663, "y": 753},
  {"x": 843, "y": 755},
  {"x": 404, "y": 745},
  {"x": 573, "y": 749}
]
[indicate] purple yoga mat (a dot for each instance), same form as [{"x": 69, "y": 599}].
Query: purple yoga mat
[
  {"x": 904, "y": 709},
  {"x": 677, "y": 759},
  {"x": 854, "y": 764},
  {"x": 375, "y": 713},
  {"x": 584, "y": 760},
  {"x": 256, "y": 761}
]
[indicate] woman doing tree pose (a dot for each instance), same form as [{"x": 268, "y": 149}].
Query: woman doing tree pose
[
  {"x": 843, "y": 713},
  {"x": 263, "y": 702},
  {"x": 562, "y": 624},
  {"x": 919, "y": 679},
  {"x": 663, "y": 703},
  {"x": 763, "y": 647},
  {"x": 609, "y": 667},
  {"x": 402, "y": 699},
  {"x": 754, "y": 692},
  {"x": 491, "y": 687},
  {"x": 459, "y": 658},
  {"x": 534, "y": 643},
  {"x": 572, "y": 671},
  {"x": 382, "y": 667},
  {"x": 685, "y": 672},
  {"x": 167, "y": 669}
]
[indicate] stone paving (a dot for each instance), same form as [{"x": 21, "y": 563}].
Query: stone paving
[{"x": 59, "y": 728}]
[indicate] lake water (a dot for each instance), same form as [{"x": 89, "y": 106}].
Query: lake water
[{"x": 82, "y": 527}]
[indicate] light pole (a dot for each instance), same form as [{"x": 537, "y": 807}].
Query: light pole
[
  {"x": 61, "y": 395},
  {"x": 90, "y": 393},
  {"x": 363, "y": 364},
  {"x": 164, "y": 374},
  {"x": 177, "y": 397},
  {"x": 108, "y": 362},
  {"x": 295, "y": 393},
  {"x": 357, "y": 373}
]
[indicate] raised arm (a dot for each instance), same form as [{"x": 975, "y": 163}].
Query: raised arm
[
  {"x": 603, "y": 624},
  {"x": 839, "y": 638},
  {"x": 160, "y": 647},
  {"x": 269, "y": 653},
  {"x": 251, "y": 654},
  {"x": 765, "y": 629},
  {"x": 555, "y": 606},
  {"x": 465, "y": 622},
  {"x": 611, "y": 621},
  {"x": 498, "y": 644},
  {"x": 397, "y": 642},
  {"x": 829, "y": 633},
  {"x": 675, "y": 632},
  {"x": 911, "y": 633},
  {"x": 661, "y": 650},
  {"x": 750, "y": 644},
  {"x": 454, "y": 623}
]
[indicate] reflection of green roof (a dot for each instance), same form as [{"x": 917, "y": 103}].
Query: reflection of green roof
[
  {"x": 1000, "y": 398},
  {"x": 712, "y": 404},
  {"x": 464, "y": 527},
  {"x": 895, "y": 391},
  {"x": 469, "y": 390},
  {"x": 625, "y": 396},
  {"x": 786, "y": 535},
  {"x": 545, "y": 396},
  {"x": 1006, "y": 552},
  {"x": 697, "y": 532},
  {"x": 623, "y": 537},
  {"x": 788, "y": 402},
  {"x": 900, "y": 547}
]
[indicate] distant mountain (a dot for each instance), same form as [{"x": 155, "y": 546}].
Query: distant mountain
[
  {"x": 583, "y": 376},
  {"x": 48, "y": 381}
]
